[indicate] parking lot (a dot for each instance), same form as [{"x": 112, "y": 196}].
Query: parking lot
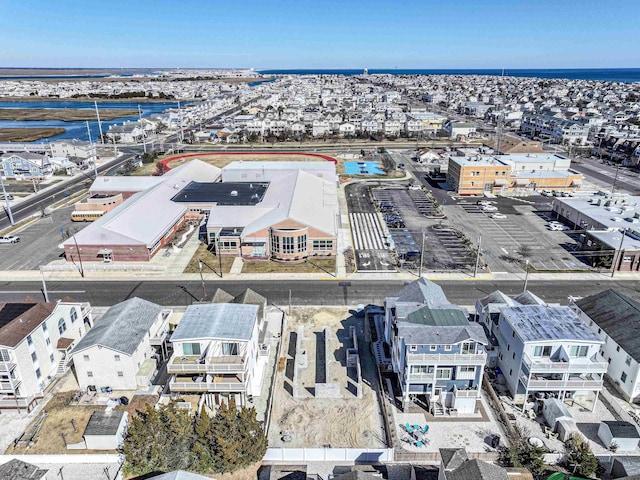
[
  {"x": 524, "y": 225},
  {"x": 369, "y": 241},
  {"x": 412, "y": 215},
  {"x": 39, "y": 242}
]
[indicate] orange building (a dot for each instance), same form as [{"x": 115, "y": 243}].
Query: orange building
[{"x": 511, "y": 174}]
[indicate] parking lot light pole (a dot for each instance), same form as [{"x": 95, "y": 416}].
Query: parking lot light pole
[
  {"x": 526, "y": 275},
  {"x": 475, "y": 270},
  {"x": 421, "y": 255}
]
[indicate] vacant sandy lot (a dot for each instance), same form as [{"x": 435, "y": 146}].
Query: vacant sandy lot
[{"x": 341, "y": 422}]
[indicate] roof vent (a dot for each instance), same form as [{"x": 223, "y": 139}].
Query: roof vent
[
  {"x": 176, "y": 186},
  {"x": 234, "y": 193}
]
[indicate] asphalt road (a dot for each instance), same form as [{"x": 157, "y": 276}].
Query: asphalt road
[
  {"x": 607, "y": 175},
  {"x": 40, "y": 201},
  {"x": 462, "y": 292}
]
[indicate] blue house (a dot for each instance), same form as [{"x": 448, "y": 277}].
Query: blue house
[
  {"x": 25, "y": 165},
  {"x": 437, "y": 353}
]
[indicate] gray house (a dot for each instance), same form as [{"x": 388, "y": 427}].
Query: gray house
[
  {"x": 25, "y": 165},
  {"x": 436, "y": 352}
]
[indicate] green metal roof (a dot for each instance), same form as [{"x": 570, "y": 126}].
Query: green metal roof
[{"x": 438, "y": 317}]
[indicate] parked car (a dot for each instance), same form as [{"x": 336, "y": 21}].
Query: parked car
[
  {"x": 8, "y": 197},
  {"x": 9, "y": 239},
  {"x": 558, "y": 228},
  {"x": 498, "y": 215},
  {"x": 489, "y": 208},
  {"x": 545, "y": 193}
]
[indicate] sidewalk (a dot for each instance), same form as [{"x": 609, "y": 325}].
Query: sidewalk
[{"x": 171, "y": 275}]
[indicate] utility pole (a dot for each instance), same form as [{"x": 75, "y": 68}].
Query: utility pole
[
  {"x": 144, "y": 141},
  {"x": 475, "y": 271},
  {"x": 99, "y": 122},
  {"x": 79, "y": 256},
  {"x": 204, "y": 292},
  {"x": 616, "y": 258},
  {"x": 44, "y": 286},
  {"x": 615, "y": 180},
  {"x": 93, "y": 151},
  {"x": 421, "y": 255},
  {"x": 526, "y": 275},
  {"x": 6, "y": 201}
]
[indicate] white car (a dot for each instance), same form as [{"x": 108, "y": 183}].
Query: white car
[
  {"x": 557, "y": 228},
  {"x": 498, "y": 215},
  {"x": 9, "y": 239},
  {"x": 489, "y": 208}
]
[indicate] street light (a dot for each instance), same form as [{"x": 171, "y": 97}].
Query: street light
[
  {"x": 526, "y": 275},
  {"x": 475, "y": 271}
]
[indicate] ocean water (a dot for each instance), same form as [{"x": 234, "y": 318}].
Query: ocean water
[
  {"x": 625, "y": 75},
  {"x": 78, "y": 129}
]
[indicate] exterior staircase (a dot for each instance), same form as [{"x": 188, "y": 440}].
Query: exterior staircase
[{"x": 62, "y": 367}]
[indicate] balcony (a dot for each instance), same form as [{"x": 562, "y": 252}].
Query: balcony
[
  {"x": 574, "y": 365},
  {"x": 194, "y": 364},
  {"x": 182, "y": 383},
  {"x": 7, "y": 366},
  {"x": 587, "y": 382},
  {"x": 6, "y": 387},
  {"x": 446, "y": 359},
  {"x": 469, "y": 393}
]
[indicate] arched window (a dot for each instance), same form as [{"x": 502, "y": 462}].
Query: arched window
[
  {"x": 62, "y": 326},
  {"x": 74, "y": 315}
]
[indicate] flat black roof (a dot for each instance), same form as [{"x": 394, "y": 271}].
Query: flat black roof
[
  {"x": 223, "y": 193},
  {"x": 104, "y": 423}
]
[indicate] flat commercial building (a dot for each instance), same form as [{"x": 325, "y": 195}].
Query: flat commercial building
[
  {"x": 511, "y": 174},
  {"x": 138, "y": 228},
  {"x": 284, "y": 211},
  {"x": 611, "y": 225}
]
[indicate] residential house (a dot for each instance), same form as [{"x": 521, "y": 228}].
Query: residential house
[
  {"x": 456, "y": 465},
  {"x": 71, "y": 148},
  {"x": 558, "y": 129},
  {"x": 35, "y": 339},
  {"x": 347, "y": 129},
  {"x": 547, "y": 349},
  {"x": 459, "y": 130},
  {"x": 436, "y": 352},
  {"x": 615, "y": 318},
  {"x": 128, "y": 132},
  {"x": 217, "y": 353},
  {"x": 25, "y": 165},
  {"x": 16, "y": 469},
  {"x": 123, "y": 348}
]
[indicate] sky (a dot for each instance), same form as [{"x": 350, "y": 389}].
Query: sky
[{"x": 297, "y": 34}]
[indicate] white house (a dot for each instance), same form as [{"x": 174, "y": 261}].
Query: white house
[
  {"x": 216, "y": 353},
  {"x": 35, "y": 339},
  {"x": 347, "y": 129},
  {"x": 119, "y": 351},
  {"x": 460, "y": 129},
  {"x": 71, "y": 148},
  {"x": 547, "y": 349},
  {"x": 615, "y": 319}
]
